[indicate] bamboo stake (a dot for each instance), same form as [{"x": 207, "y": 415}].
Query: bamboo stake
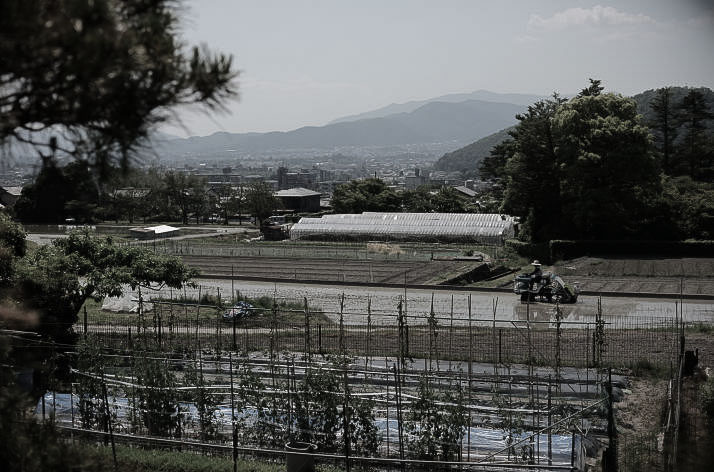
[
  {"x": 346, "y": 420},
  {"x": 471, "y": 338},
  {"x": 451, "y": 331},
  {"x": 108, "y": 420},
  {"x": 308, "y": 350},
  {"x": 233, "y": 415},
  {"x": 367, "y": 357}
]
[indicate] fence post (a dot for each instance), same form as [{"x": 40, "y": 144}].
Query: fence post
[
  {"x": 85, "y": 321},
  {"x": 308, "y": 350},
  {"x": 346, "y": 419},
  {"x": 108, "y": 420},
  {"x": 233, "y": 416},
  {"x": 550, "y": 413},
  {"x": 611, "y": 451},
  {"x": 233, "y": 315}
]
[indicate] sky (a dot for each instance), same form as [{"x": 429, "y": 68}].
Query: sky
[{"x": 307, "y": 62}]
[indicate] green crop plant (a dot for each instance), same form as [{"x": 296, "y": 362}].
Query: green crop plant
[
  {"x": 158, "y": 399},
  {"x": 89, "y": 385},
  {"x": 436, "y": 421},
  {"x": 206, "y": 403}
]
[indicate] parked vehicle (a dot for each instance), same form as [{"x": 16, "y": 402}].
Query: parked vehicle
[{"x": 239, "y": 310}]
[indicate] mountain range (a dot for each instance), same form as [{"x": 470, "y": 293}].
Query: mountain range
[
  {"x": 521, "y": 99},
  {"x": 447, "y": 123}
]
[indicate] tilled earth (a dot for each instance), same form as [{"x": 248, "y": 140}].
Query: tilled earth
[
  {"x": 331, "y": 270},
  {"x": 693, "y": 276}
]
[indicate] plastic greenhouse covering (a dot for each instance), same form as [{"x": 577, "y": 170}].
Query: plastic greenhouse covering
[{"x": 488, "y": 228}]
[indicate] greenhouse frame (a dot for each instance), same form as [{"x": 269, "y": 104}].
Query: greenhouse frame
[{"x": 485, "y": 228}]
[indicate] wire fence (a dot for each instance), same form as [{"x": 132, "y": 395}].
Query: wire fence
[
  {"x": 232, "y": 246},
  {"x": 185, "y": 326},
  {"x": 392, "y": 412}
]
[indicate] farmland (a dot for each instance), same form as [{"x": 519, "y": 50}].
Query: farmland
[
  {"x": 694, "y": 276},
  {"x": 370, "y": 324}
]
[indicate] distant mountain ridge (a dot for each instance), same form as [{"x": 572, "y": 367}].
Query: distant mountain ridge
[
  {"x": 407, "y": 107},
  {"x": 468, "y": 158},
  {"x": 434, "y": 122}
]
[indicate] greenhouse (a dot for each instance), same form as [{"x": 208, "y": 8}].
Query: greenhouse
[{"x": 486, "y": 228}]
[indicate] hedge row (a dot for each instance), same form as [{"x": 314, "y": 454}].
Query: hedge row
[
  {"x": 538, "y": 251},
  {"x": 562, "y": 249},
  {"x": 568, "y": 249}
]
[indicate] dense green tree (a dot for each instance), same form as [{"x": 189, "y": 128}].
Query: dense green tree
[
  {"x": 664, "y": 125},
  {"x": 93, "y": 78},
  {"x": 229, "y": 200},
  {"x": 418, "y": 200},
  {"x": 186, "y": 193},
  {"x": 532, "y": 187},
  {"x": 582, "y": 168},
  {"x": 55, "y": 280},
  {"x": 694, "y": 153},
  {"x": 12, "y": 247},
  {"x": 593, "y": 90},
  {"x": 690, "y": 207},
  {"x": 261, "y": 201},
  {"x": 59, "y": 193},
  {"x": 370, "y": 194},
  {"x": 493, "y": 166},
  {"x": 607, "y": 170},
  {"x": 448, "y": 200}
]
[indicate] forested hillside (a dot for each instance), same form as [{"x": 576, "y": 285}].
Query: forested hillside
[
  {"x": 592, "y": 168},
  {"x": 469, "y": 158}
]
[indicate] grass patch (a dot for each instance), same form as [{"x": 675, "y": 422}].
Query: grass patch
[
  {"x": 210, "y": 308},
  {"x": 699, "y": 327},
  {"x": 135, "y": 459},
  {"x": 646, "y": 369}
]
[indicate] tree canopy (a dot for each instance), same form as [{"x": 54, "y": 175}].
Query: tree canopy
[
  {"x": 261, "y": 201},
  {"x": 581, "y": 168},
  {"x": 370, "y": 194},
  {"x": 55, "y": 280},
  {"x": 92, "y": 78}
]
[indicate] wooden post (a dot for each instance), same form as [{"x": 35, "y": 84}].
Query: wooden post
[
  {"x": 387, "y": 413},
  {"x": 431, "y": 323},
  {"x": 451, "y": 329},
  {"x": 233, "y": 322},
  {"x": 550, "y": 415},
  {"x": 158, "y": 319},
  {"x": 468, "y": 432},
  {"x": 308, "y": 350},
  {"x": 342, "y": 325},
  {"x": 233, "y": 415},
  {"x": 369, "y": 337},
  {"x": 346, "y": 419},
  {"x": 198, "y": 311},
  {"x": 500, "y": 345},
  {"x": 108, "y": 421},
  {"x": 85, "y": 321},
  {"x": 400, "y": 426}
]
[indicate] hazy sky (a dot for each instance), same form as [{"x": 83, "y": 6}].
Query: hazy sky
[{"x": 307, "y": 62}]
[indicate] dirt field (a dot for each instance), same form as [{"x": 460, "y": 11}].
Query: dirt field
[
  {"x": 329, "y": 270},
  {"x": 692, "y": 275}
]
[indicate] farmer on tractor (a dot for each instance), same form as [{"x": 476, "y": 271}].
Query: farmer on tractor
[
  {"x": 544, "y": 286},
  {"x": 537, "y": 272}
]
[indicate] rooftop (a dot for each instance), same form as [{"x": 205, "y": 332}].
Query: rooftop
[{"x": 297, "y": 192}]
